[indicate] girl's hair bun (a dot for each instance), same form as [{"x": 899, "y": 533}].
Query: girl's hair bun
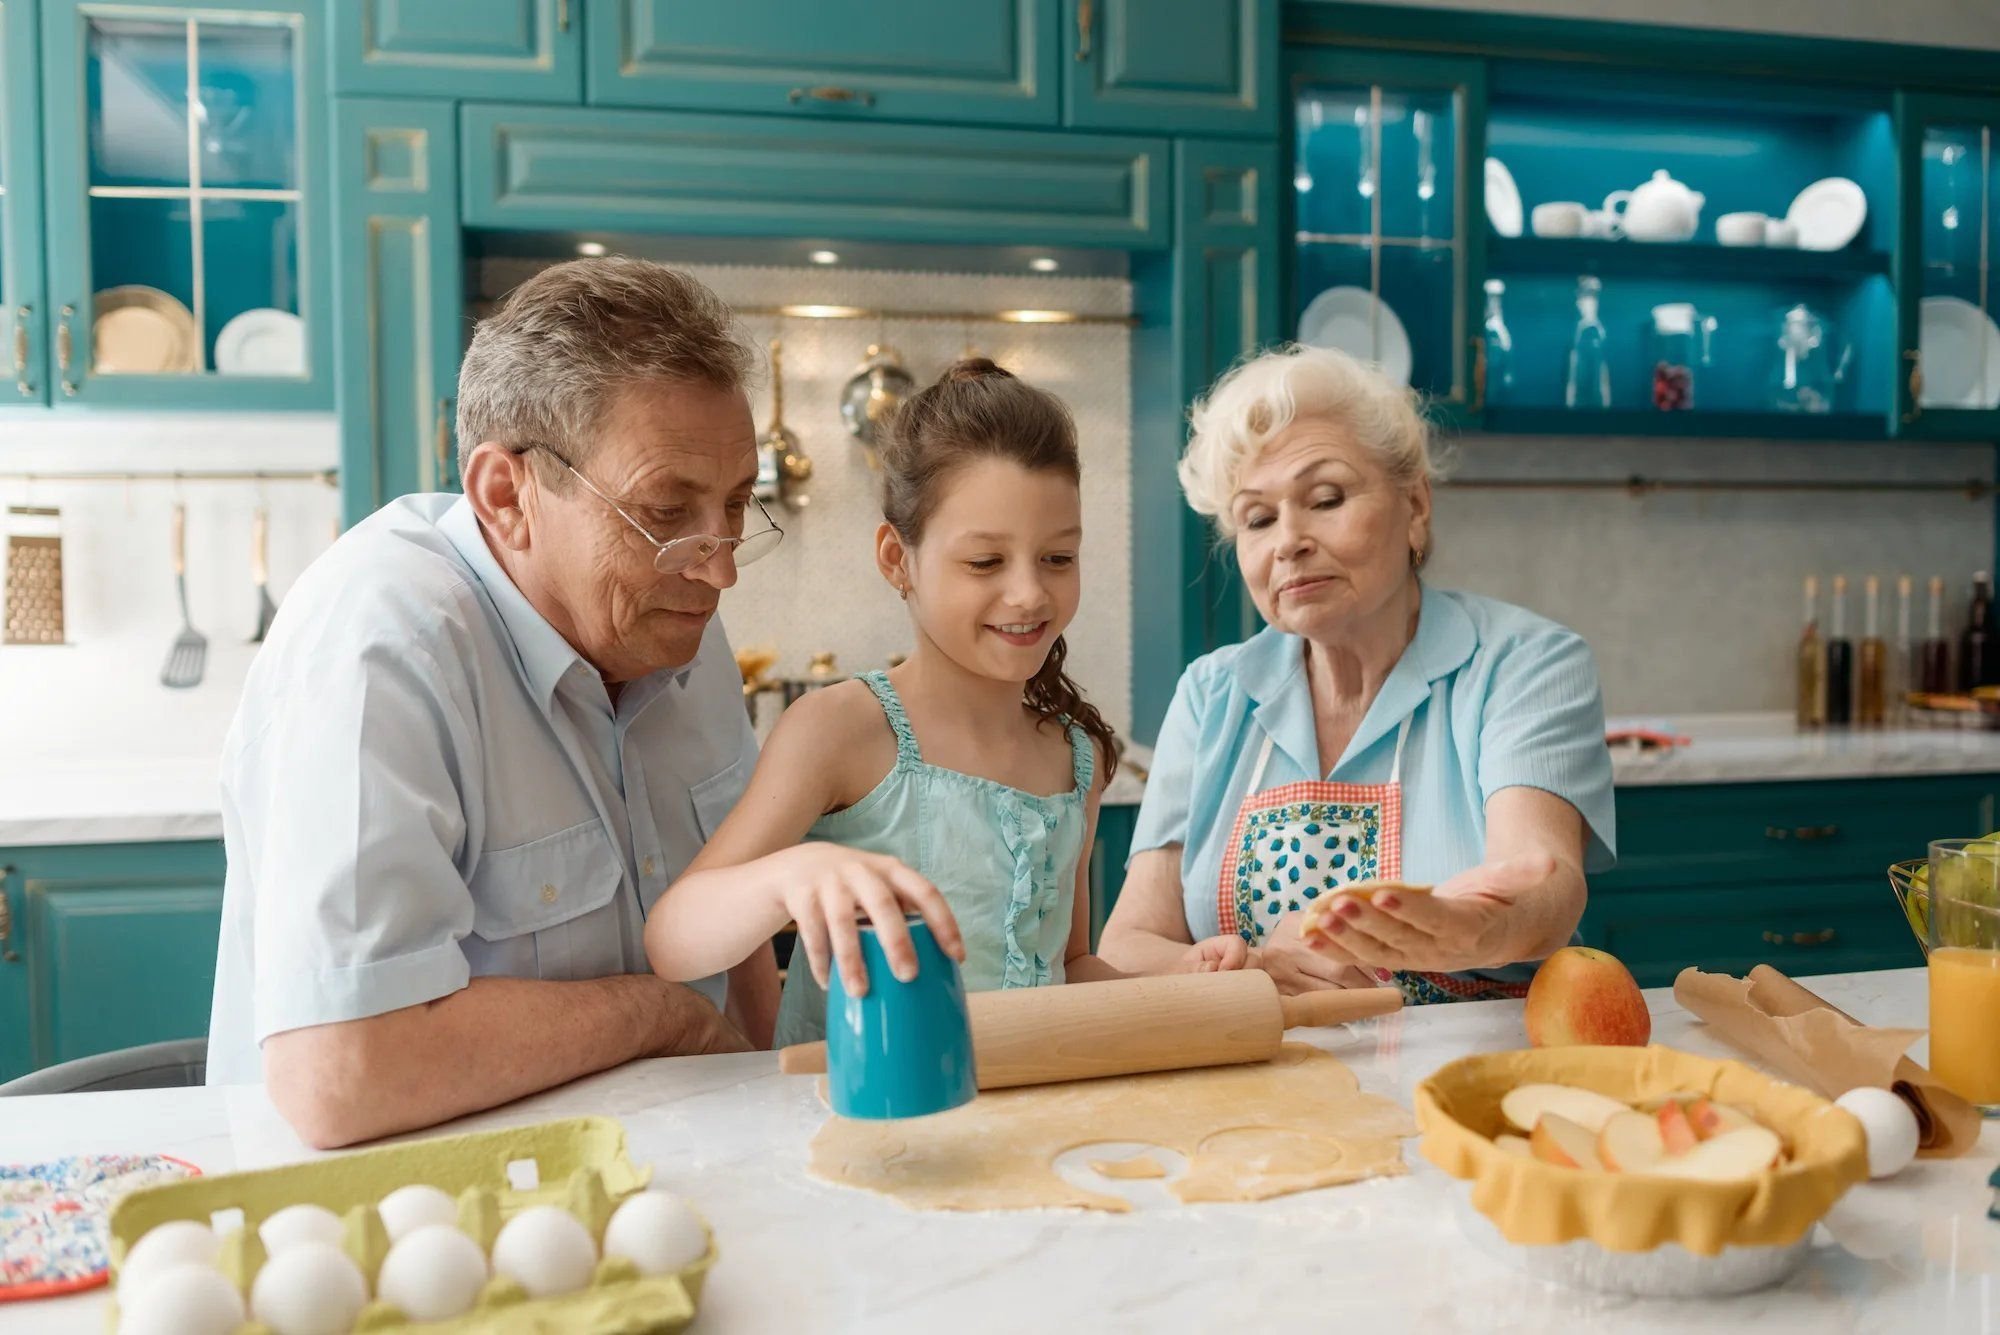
[{"x": 974, "y": 368}]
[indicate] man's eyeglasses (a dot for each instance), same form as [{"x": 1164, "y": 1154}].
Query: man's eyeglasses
[{"x": 672, "y": 555}]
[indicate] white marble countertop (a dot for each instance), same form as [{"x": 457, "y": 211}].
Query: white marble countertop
[
  {"x": 1912, "y": 1253},
  {"x": 1757, "y": 748}
]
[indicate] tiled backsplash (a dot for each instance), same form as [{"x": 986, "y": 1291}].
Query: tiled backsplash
[
  {"x": 1692, "y": 600},
  {"x": 820, "y": 589}
]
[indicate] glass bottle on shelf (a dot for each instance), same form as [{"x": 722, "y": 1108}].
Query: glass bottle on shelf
[
  {"x": 1499, "y": 345},
  {"x": 1804, "y": 375},
  {"x": 1811, "y": 708},
  {"x": 1975, "y": 645},
  {"x": 1903, "y": 667},
  {"x": 1870, "y": 694},
  {"x": 1839, "y": 661},
  {"x": 1680, "y": 344},
  {"x": 1588, "y": 382},
  {"x": 1935, "y": 670}
]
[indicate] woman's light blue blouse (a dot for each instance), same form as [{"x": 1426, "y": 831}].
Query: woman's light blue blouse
[{"x": 1498, "y": 698}]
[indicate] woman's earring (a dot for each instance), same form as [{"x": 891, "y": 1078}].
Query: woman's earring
[{"x": 903, "y": 592}]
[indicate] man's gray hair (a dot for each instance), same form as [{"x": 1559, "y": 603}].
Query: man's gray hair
[{"x": 547, "y": 367}]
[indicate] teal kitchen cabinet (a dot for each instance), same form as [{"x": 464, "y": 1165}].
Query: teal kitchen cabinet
[
  {"x": 519, "y": 50},
  {"x": 23, "y": 305},
  {"x": 1728, "y": 876},
  {"x": 184, "y": 180},
  {"x": 1107, "y": 863},
  {"x": 558, "y": 169},
  {"x": 971, "y": 61},
  {"x": 1950, "y": 388},
  {"x": 1199, "y": 67},
  {"x": 104, "y": 946},
  {"x": 401, "y": 304}
]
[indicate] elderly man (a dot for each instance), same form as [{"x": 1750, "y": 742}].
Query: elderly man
[{"x": 489, "y": 730}]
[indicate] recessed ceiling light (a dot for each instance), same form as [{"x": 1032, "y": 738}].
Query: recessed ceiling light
[
  {"x": 590, "y": 249},
  {"x": 824, "y": 257},
  {"x": 1044, "y": 264},
  {"x": 816, "y": 312}
]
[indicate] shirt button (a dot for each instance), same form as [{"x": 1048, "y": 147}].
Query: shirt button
[
  {"x": 646, "y": 867},
  {"x": 548, "y": 894}
]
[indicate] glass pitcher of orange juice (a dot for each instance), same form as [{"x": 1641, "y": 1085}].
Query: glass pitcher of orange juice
[{"x": 1965, "y": 968}]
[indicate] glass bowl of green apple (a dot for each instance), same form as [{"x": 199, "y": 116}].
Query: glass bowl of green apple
[{"x": 1911, "y": 881}]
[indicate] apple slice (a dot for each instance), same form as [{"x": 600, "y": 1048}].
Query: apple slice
[
  {"x": 1676, "y": 1131},
  {"x": 1514, "y": 1145},
  {"x": 1526, "y": 1105},
  {"x": 1559, "y": 1141},
  {"x": 1658, "y": 1101},
  {"x": 1630, "y": 1143},
  {"x": 1729, "y": 1157},
  {"x": 1711, "y": 1119}
]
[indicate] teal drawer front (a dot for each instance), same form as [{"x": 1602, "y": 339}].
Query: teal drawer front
[
  {"x": 983, "y": 61},
  {"x": 564, "y": 170},
  {"x": 522, "y": 50},
  {"x": 1831, "y": 927},
  {"x": 1837, "y": 829},
  {"x": 1182, "y": 66}
]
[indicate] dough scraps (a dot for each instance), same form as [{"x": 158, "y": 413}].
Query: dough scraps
[
  {"x": 1249, "y": 1132},
  {"x": 1138, "y": 1168}
]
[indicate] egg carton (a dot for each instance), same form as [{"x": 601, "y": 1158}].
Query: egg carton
[{"x": 578, "y": 1164}]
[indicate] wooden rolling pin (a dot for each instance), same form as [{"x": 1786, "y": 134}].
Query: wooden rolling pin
[{"x": 1080, "y": 1031}]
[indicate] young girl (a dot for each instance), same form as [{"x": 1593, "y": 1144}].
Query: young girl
[{"x": 973, "y": 768}]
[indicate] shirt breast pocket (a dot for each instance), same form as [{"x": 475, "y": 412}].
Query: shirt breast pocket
[
  {"x": 716, "y": 796},
  {"x": 547, "y": 908}
]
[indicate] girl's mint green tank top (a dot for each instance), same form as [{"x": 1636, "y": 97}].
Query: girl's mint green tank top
[{"x": 1004, "y": 859}]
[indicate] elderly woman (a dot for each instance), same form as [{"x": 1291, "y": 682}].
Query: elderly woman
[{"x": 1377, "y": 729}]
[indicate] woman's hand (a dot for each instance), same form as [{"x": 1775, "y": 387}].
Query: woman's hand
[
  {"x": 1216, "y": 954},
  {"x": 1296, "y": 967},
  {"x": 1465, "y": 923},
  {"x": 826, "y": 888}
]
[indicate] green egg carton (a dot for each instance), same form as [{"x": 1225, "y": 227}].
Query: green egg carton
[{"x": 580, "y": 1165}]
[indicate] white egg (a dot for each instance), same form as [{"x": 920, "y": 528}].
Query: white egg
[
  {"x": 1890, "y": 1125},
  {"x": 433, "y": 1273},
  {"x": 546, "y": 1250},
  {"x": 188, "y": 1299},
  {"x": 296, "y": 1225},
  {"x": 656, "y": 1231},
  {"x": 308, "y": 1289},
  {"x": 407, "y": 1209},
  {"x": 164, "y": 1246}
]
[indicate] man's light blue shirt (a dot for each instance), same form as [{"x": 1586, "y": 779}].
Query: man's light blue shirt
[
  {"x": 1498, "y": 697},
  {"x": 425, "y": 783}
]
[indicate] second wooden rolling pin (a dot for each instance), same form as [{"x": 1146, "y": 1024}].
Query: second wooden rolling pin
[{"x": 1080, "y": 1031}]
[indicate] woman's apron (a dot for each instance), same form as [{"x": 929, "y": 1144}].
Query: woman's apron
[{"x": 1299, "y": 841}]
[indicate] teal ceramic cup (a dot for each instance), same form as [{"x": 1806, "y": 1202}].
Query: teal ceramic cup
[{"x": 904, "y": 1049}]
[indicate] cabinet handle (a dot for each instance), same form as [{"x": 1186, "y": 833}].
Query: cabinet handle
[
  {"x": 1478, "y": 372},
  {"x": 1805, "y": 834},
  {"x": 830, "y": 93},
  {"x": 1084, "y": 14},
  {"x": 562, "y": 15},
  {"x": 7, "y": 955},
  {"x": 1822, "y": 937},
  {"x": 21, "y": 381},
  {"x": 65, "y": 345},
  {"x": 1916, "y": 360},
  {"x": 441, "y": 447}
]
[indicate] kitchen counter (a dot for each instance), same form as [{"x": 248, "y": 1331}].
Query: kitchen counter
[
  {"x": 1912, "y": 1253},
  {"x": 1762, "y": 748}
]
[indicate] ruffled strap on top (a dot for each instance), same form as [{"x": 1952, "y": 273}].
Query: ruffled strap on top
[{"x": 907, "y": 753}]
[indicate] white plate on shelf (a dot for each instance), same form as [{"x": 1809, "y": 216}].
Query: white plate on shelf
[
  {"x": 1503, "y": 199},
  {"x": 1354, "y": 321},
  {"x": 1961, "y": 355},
  {"x": 1828, "y": 213},
  {"x": 263, "y": 341}
]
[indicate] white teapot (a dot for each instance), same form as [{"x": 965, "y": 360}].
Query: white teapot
[{"x": 1660, "y": 210}]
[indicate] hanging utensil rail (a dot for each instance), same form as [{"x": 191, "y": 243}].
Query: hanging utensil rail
[
  {"x": 1636, "y": 485},
  {"x": 1029, "y": 315},
  {"x": 324, "y": 476}
]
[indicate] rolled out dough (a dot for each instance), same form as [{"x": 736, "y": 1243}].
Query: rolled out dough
[
  {"x": 1249, "y": 1132},
  {"x": 1138, "y": 1168}
]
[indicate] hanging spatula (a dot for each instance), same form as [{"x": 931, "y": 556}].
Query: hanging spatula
[
  {"x": 189, "y": 654},
  {"x": 260, "y": 572}
]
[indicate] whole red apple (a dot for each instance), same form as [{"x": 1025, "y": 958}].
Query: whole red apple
[{"x": 1582, "y": 995}]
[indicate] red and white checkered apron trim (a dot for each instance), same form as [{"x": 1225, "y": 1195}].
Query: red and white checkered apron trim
[{"x": 1389, "y": 843}]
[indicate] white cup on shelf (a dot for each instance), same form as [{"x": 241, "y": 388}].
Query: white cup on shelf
[
  {"x": 1781, "y": 233},
  {"x": 1602, "y": 225},
  {"x": 1742, "y": 229},
  {"x": 1556, "y": 219}
]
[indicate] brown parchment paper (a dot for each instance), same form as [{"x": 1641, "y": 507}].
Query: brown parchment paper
[{"x": 1813, "y": 1043}]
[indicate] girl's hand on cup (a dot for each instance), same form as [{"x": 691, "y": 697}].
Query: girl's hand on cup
[{"x": 827, "y": 889}]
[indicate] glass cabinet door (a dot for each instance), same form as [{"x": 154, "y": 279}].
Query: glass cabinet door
[
  {"x": 181, "y": 201},
  {"x": 1947, "y": 267},
  {"x": 1382, "y": 194},
  {"x": 23, "y": 327}
]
